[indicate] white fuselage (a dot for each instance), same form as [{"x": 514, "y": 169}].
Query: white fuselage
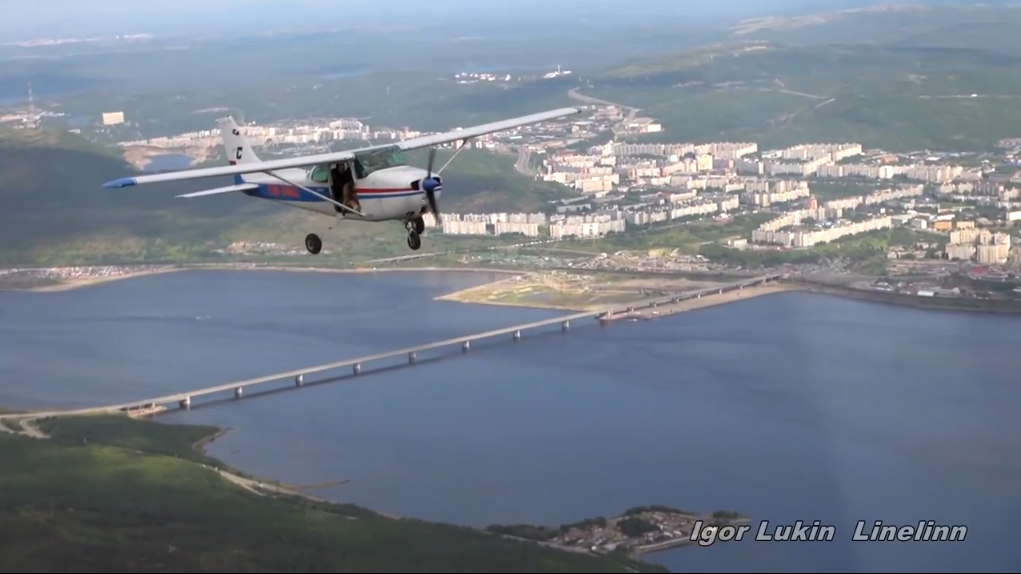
[{"x": 388, "y": 194}]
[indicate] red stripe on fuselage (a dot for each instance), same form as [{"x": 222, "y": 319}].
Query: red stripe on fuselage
[{"x": 383, "y": 190}]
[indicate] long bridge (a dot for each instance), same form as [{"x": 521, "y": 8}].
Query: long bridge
[{"x": 299, "y": 376}]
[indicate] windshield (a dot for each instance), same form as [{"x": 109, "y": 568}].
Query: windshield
[
  {"x": 369, "y": 162},
  {"x": 320, "y": 174}
]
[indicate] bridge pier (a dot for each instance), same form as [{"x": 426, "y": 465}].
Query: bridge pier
[
  {"x": 517, "y": 336},
  {"x": 565, "y": 326},
  {"x": 356, "y": 369},
  {"x": 466, "y": 346},
  {"x": 412, "y": 357},
  {"x": 185, "y": 403},
  {"x": 239, "y": 392},
  {"x": 299, "y": 380}
]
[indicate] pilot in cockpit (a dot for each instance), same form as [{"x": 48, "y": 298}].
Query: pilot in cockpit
[{"x": 343, "y": 178}]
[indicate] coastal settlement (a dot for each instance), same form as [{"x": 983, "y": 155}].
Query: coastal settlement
[{"x": 637, "y": 531}]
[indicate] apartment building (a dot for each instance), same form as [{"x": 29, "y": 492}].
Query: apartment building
[
  {"x": 524, "y": 228},
  {"x": 830, "y": 152},
  {"x": 766, "y": 193},
  {"x": 722, "y": 150},
  {"x": 808, "y": 238},
  {"x": 984, "y": 246},
  {"x": 563, "y": 229},
  {"x": 926, "y": 173}
]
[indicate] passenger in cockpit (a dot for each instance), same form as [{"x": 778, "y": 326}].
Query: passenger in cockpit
[{"x": 347, "y": 184}]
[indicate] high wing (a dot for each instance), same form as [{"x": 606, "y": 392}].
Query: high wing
[{"x": 278, "y": 164}]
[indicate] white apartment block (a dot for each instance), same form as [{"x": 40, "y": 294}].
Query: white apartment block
[
  {"x": 766, "y": 193},
  {"x": 926, "y": 173},
  {"x": 982, "y": 245},
  {"x": 830, "y": 152},
  {"x": 722, "y": 150},
  {"x": 527, "y": 229},
  {"x": 808, "y": 238},
  {"x": 561, "y": 230},
  {"x": 876, "y": 197}
]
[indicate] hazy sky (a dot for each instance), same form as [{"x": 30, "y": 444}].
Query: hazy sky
[{"x": 61, "y": 18}]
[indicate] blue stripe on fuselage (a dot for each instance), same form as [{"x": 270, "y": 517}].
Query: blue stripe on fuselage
[
  {"x": 367, "y": 194},
  {"x": 284, "y": 192}
]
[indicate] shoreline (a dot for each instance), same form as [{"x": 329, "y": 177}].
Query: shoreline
[
  {"x": 650, "y": 313},
  {"x": 952, "y": 304},
  {"x": 257, "y": 484},
  {"x": 897, "y": 299},
  {"x": 73, "y": 284}
]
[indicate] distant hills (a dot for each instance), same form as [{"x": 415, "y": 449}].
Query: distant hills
[
  {"x": 56, "y": 212},
  {"x": 897, "y": 77},
  {"x": 900, "y": 77}
]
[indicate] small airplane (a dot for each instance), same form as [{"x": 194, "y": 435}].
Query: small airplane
[{"x": 367, "y": 184}]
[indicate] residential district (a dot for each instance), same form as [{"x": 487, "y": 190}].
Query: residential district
[
  {"x": 621, "y": 186},
  {"x": 805, "y": 195}
]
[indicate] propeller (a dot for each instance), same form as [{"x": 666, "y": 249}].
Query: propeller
[{"x": 429, "y": 185}]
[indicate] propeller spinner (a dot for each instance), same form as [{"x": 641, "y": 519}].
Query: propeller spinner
[{"x": 430, "y": 184}]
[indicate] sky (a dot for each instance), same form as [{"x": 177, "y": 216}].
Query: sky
[{"x": 65, "y": 18}]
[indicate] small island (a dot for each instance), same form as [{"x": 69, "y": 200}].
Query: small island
[{"x": 638, "y": 530}]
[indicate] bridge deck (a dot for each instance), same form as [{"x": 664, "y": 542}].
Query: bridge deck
[{"x": 406, "y": 351}]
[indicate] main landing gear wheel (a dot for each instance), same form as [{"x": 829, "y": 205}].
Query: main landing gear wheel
[
  {"x": 414, "y": 240},
  {"x": 418, "y": 225},
  {"x": 313, "y": 243}
]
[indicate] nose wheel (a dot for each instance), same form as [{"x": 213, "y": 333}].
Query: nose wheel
[
  {"x": 415, "y": 227},
  {"x": 314, "y": 244},
  {"x": 414, "y": 240}
]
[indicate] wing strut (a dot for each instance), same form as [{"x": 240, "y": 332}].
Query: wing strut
[
  {"x": 464, "y": 144},
  {"x": 315, "y": 193}
]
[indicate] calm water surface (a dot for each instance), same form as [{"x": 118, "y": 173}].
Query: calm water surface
[{"x": 785, "y": 407}]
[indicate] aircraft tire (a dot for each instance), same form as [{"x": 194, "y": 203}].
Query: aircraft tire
[
  {"x": 313, "y": 243},
  {"x": 414, "y": 240},
  {"x": 418, "y": 224}
]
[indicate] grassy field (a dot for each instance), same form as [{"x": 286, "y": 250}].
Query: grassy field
[{"x": 108, "y": 494}]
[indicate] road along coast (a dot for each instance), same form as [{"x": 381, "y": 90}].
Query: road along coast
[
  {"x": 513, "y": 292},
  {"x": 717, "y": 299}
]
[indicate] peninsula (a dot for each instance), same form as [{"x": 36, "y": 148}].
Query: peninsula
[
  {"x": 637, "y": 531},
  {"x": 109, "y": 493}
]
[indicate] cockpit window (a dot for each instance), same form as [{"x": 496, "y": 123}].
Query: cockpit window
[
  {"x": 320, "y": 174},
  {"x": 372, "y": 161}
]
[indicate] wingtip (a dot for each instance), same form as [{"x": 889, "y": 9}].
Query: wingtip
[{"x": 119, "y": 183}]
